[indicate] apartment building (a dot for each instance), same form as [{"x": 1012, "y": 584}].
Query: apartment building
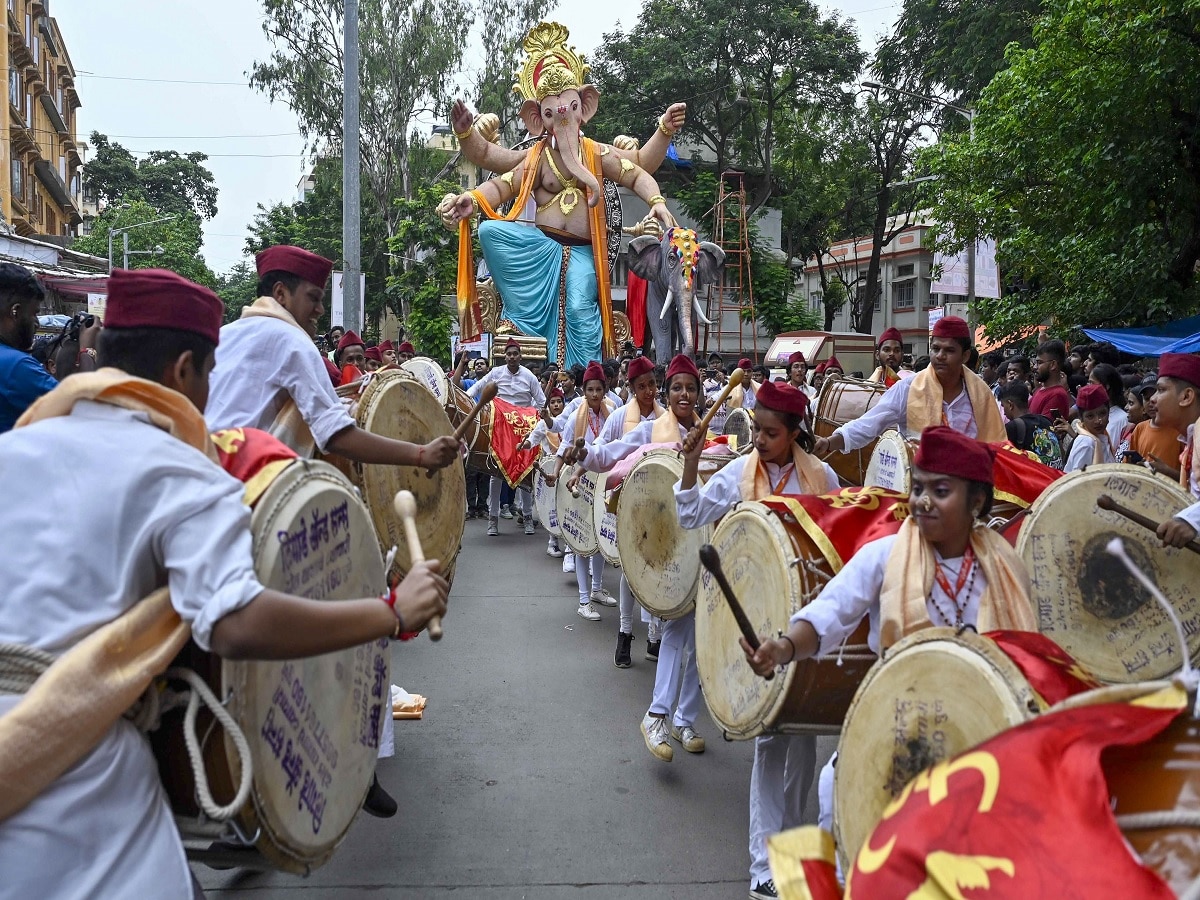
[{"x": 40, "y": 164}]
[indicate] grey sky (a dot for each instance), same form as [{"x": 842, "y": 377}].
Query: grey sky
[{"x": 254, "y": 147}]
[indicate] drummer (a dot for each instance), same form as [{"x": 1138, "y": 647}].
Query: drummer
[
  {"x": 267, "y": 358},
  {"x": 405, "y": 352},
  {"x": 889, "y": 353},
  {"x": 374, "y": 359},
  {"x": 643, "y": 406},
  {"x": 126, "y": 449},
  {"x": 779, "y": 464},
  {"x": 742, "y": 396},
  {"x": 548, "y": 442},
  {"x": 942, "y": 568},
  {"x": 587, "y": 423},
  {"x": 387, "y": 350},
  {"x": 944, "y": 393},
  {"x": 679, "y": 635},
  {"x": 798, "y": 374},
  {"x": 1177, "y": 406}
]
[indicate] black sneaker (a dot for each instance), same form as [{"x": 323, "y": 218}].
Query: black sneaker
[
  {"x": 379, "y": 802},
  {"x": 764, "y": 890},
  {"x": 652, "y": 649},
  {"x": 624, "y": 642}
]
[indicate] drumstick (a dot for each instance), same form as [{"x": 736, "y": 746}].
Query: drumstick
[
  {"x": 712, "y": 562},
  {"x": 406, "y": 508},
  {"x": 1104, "y": 501},
  {"x": 735, "y": 378},
  {"x": 486, "y": 396}
]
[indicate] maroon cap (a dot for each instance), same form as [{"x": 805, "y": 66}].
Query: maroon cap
[
  {"x": 512, "y": 342},
  {"x": 796, "y": 357},
  {"x": 682, "y": 365},
  {"x": 349, "y": 339},
  {"x": 951, "y": 327},
  {"x": 834, "y": 364},
  {"x": 890, "y": 334},
  {"x": 594, "y": 372},
  {"x": 156, "y": 298},
  {"x": 638, "y": 366},
  {"x": 295, "y": 261},
  {"x": 373, "y": 353},
  {"x": 781, "y": 397},
  {"x": 555, "y": 392},
  {"x": 1184, "y": 366},
  {"x": 745, "y": 364},
  {"x": 820, "y": 369},
  {"x": 406, "y": 347},
  {"x": 386, "y": 345},
  {"x": 1091, "y": 396},
  {"x": 948, "y": 452}
]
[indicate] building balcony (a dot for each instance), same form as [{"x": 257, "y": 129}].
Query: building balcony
[
  {"x": 19, "y": 55},
  {"x": 54, "y": 115},
  {"x": 20, "y": 135},
  {"x": 58, "y": 190}
]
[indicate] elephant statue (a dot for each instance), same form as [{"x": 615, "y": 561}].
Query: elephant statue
[
  {"x": 553, "y": 277},
  {"x": 675, "y": 266}
]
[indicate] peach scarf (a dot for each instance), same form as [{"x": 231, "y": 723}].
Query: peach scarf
[
  {"x": 908, "y": 579},
  {"x": 666, "y": 428},
  {"x": 289, "y": 425},
  {"x": 754, "y": 483},
  {"x": 581, "y": 418},
  {"x": 925, "y": 405},
  {"x": 73, "y": 704},
  {"x": 633, "y": 415}
]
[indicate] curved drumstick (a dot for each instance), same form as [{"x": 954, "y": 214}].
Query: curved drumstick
[
  {"x": 735, "y": 378},
  {"x": 486, "y": 396},
  {"x": 406, "y": 508},
  {"x": 712, "y": 562},
  {"x": 1104, "y": 501}
]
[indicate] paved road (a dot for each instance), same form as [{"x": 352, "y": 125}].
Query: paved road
[{"x": 528, "y": 777}]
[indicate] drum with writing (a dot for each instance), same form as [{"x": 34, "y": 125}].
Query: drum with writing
[
  {"x": 574, "y": 508},
  {"x": 1085, "y": 598},
  {"x": 544, "y": 496},
  {"x": 739, "y": 428},
  {"x": 842, "y": 400},
  {"x": 604, "y": 521},
  {"x": 933, "y": 695},
  {"x": 775, "y": 568},
  {"x": 891, "y": 463}
]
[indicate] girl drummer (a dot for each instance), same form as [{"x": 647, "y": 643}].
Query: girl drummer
[
  {"x": 678, "y": 637},
  {"x": 942, "y": 568},
  {"x": 780, "y": 463},
  {"x": 587, "y": 422}
]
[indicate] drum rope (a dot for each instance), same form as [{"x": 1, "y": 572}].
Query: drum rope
[
  {"x": 20, "y": 666},
  {"x": 1167, "y": 818},
  {"x": 1192, "y": 893}
]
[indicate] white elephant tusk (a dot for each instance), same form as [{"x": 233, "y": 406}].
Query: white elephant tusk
[
  {"x": 666, "y": 305},
  {"x": 699, "y": 312}
]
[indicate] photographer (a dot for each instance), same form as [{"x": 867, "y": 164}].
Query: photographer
[{"x": 22, "y": 378}]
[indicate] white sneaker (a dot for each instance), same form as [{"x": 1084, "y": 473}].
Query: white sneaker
[
  {"x": 654, "y": 732},
  {"x": 686, "y": 735},
  {"x": 587, "y": 611},
  {"x": 505, "y": 511},
  {"x": 568, "y": 562},
  {"x": 604, "y": 598},
  {"x": 552, "y": 549}
]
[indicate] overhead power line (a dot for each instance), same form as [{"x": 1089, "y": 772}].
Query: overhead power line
[{"x": 160, "y": 80}]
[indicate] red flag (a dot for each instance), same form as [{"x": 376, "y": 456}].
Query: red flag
[
  {"x": 1020, "y": 475},
  {"x": 510, "y": 426},
  {"x": 1049, "y": 669},
  {"x": 253, "y": 457},
  {"x": 841, "y": 522},
  {"x": 635, "y": 309}
]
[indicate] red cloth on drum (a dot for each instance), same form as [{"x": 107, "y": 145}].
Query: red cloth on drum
[
  {"x": 156, "y": 298},
  {"x": 1019, "y": 476},
  {"x": 350, "y": 373},
  {"x": 510, "y": 426},
  {"x": 253, "y": 457},
  {"x": 1025, "y": 815},
  {"x": 804, "y": 864},
  {"x": 635, "y": 309},
  {"x": 947, "y": 452},
  {"x": 842, "y": 522},
  {"x": 1184, "y": 366},
  {"x": 296, "y": 261},
  {"x": 1049, "y": 669}
]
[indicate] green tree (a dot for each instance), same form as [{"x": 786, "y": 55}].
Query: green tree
[
  {"x": 237, "y": 289},
  {"x": 173, "y": 245},
  {"x": 1085, "y": 167},
  {"x": 168, "y": 181}
]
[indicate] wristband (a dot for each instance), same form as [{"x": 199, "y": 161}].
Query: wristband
[
  {"x": 86, "y": 351},
  {"x": 662, "y": 126},
  {"x": 657, "y": 198},
  {"x": 792, "y": 658},
  {"x": 398, "y": 634},
  {"x": 466, "y": 134}
]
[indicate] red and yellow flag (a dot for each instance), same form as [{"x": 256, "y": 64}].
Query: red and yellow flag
[
  {"x": 842, "y": 522},
  {"x": 253, "y": 457},
  {"x": 1049, "y": 669},
  {"x": 1020, "y": 475},
  {"x": 510, "y": 426}
]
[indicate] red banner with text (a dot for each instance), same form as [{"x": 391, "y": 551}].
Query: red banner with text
[{"x": 510, "y": 426}]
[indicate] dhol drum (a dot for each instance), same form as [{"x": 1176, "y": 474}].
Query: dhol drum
[
  {"x": 454, "y": 400},
  {"x": 1086, "y": 600},
  {"x": 397, "y": 405},
  {"x": 604, "y": 521},
  {"x": 739, "y": 428},
  {"x": 933, "y": 695},
  {"x": 544, "y": 496},
  {"x": 312, "y": 724},
  {"x": 842, "y": 400},
  {"x": 891, "y": 462},
  {"x": 661, "y": 558},
  {"x": 575, "y": 516},
  {"x": 774, "y": 568}
]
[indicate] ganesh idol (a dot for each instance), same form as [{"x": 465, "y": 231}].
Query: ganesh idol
[{"x": 548, "y": 255}]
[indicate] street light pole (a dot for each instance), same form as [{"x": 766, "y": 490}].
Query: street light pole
[{"x": 124, "y": 232}]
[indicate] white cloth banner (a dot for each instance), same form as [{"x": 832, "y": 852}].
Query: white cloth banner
[
  {"x": 337, "y": 310},
  {"x": 953, "y": 279}
]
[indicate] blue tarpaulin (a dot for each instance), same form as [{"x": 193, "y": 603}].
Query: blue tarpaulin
[{"x": 1182, "y": 336}]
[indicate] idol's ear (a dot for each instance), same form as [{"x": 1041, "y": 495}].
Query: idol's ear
[
  {"x": 644, "y": 257},
  {"x": 531, "y": 115},
  {"x": 712, "y": 261},
  {"x": 589, "y": 101}
]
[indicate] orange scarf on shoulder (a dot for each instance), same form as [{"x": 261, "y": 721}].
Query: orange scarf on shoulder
[
  {"x": 925, "y": 408},
  {"x": 581, "y": 418},
  {"x": 667, "y": 429},
  {"x": 755, "y": 485},
  {"x": 633, "y": 415}
]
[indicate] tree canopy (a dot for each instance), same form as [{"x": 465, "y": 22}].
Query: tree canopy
[
  {"x": 179, "y": 240},
  {"x": 169, "y": 181}
]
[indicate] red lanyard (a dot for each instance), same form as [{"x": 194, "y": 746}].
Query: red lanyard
[
  {"x": 787, "y": 473},
  {"x": 964, "y": 572},
  {"x": 594, "y": 422}
]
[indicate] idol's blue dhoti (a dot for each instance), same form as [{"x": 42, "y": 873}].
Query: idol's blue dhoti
[{"x": 525, "y": 265}]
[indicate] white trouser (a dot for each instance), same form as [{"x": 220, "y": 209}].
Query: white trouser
[
  {"x": 784, "y": 766},
  {"x": 628, "y": 602},
  {"x": 678, "y": 650},
  {"x": 496, "y": 486},
  {"x": 583, "y": 565},
  {"x": 825, "y": 795},
  {"x": 387, "y": 731}
]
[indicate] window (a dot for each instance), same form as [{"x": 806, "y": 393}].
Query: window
[
  {"x": 903, "y": 295},
  {"x": 931, "y": 301},
  {"x": 879, "y": 301},
  {"x": 905, "y": 271},
  {"x": 14, "y": 87},
  {"x": 18, "y": 180},
  {"x": 817, "y": 299}
]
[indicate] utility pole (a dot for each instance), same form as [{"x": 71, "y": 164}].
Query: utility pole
[{"x": 351, "y": 184}]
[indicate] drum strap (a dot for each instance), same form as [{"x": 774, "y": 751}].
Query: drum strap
[{"x": 20, "y": 666}]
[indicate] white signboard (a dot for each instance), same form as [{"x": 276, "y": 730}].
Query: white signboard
[
  {"x": 483, "y": 346},
  {"x": 337, "y": 312},
  {"x": 936, "y": 314},
  {"x": 953, "y": 279},
  {"x": 97, "y": 304}
]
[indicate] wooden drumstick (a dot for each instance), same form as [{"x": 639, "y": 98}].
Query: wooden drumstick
[
  {"x": 406, "y": 508},
  {"x": 735, "y": 378},
  {"x": 712, "y": 562},
  {"x": 486, "y": 396},
  {"x": 1104, "y": 501}
]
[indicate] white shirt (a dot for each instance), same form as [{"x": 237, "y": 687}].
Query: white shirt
[
  {"x": 892, "y": 412},
  {"x": 1118, "y": 421},
  {"x": 712, "y": 389},
  {"x": 261, "y": 362},
  {"x": 603, "y": 456},
  {"x": 1083, "y": 450},
  {"x": 568, "y": 434},
  {"x": 854, "y": 592},
  {"x": 1191, "y": 515},
  {"x": 615, "y": 424},
  {"x": 560, "y": 421},
  {"x": 704, "y": 503},
  {"x": 117, "y": 507},
  {"x": 520, "y": 388}
]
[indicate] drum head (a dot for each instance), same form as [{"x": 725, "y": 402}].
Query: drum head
[
  {"x": 740, "y": 425},
  {"x": 604, "y": 522},
  {"x": 1086, "y": 601},
  {"x": 544, "y": 495},
  {"x": 430, "y": 374},
  {"x": 575, "y": 513},
  {"x": 397, "y": 405},
  {"x": 312, "y": 724},
  {"x": 891, "y": 463},
  {"x": 932, "y": 696}
]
